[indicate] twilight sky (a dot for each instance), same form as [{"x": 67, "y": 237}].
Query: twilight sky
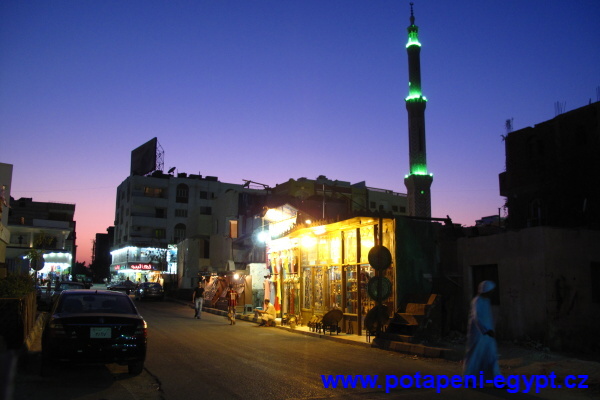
[{"x": 269, "y": 90}]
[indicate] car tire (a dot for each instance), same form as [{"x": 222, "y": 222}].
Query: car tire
[{"x": 135, "y": 368}]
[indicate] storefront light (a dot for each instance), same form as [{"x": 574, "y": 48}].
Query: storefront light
[
  {"x": 308, "y": 241},
  {"x": 319, "y": 230},
  {"x": 264, "y": 236}
]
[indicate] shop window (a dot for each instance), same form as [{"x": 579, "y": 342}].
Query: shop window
[
  {"x": 350, "y": 246},
  {"x": 367, "y": 241},
  {"x": 366, "y": 273},
  {"x": 351, "y": 306},
  {"x": 334, "y": 286},
  {"x": 319, "y": 295},
  {"x": 307, "y": 288}
]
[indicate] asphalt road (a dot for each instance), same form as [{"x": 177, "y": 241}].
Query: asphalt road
[{"x": 210, "y": 359}]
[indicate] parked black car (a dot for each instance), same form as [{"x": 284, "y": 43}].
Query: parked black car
[
  {"x": 94, "y": 327},
  {"x": 149, "y": 290},
  {"x": 125, "y": 286}
]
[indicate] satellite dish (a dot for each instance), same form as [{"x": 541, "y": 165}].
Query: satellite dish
[{"x": 171, "y": 170}]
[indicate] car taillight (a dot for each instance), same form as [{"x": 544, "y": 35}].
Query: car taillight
[
  {"x": 141, "y": 329},
  {"x": 55, "y": 329}
]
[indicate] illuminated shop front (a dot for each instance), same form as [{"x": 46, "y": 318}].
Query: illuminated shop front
[
  {"x": 143, "y": 263},
  {"x": 57, "y": 265},
  {"x": 315, "y": 269}
]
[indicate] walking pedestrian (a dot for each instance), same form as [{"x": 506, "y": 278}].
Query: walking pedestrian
[
  {"x": 198, "y": 300},
  {"x": 482, "y": 350}
]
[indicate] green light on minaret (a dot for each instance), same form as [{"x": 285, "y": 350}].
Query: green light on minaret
[
  {"x": 413, "y": 38},
  {"x": 419, "y": 169},
  {"x": 415, "y": 97}
]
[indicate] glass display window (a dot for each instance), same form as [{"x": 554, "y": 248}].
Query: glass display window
[
  {"x": 351, "y": 306},
  {"x": 323, "y": 250},
  {"x": 307, "y": 288},
  {"x": 334, "y": 276},
  {"x": 366, "y": 273},
  {"x": 319, "y": 293},
  {"x": 350, "y": 246},
  {"x": 367, "y": 241},
  {"x": 335, "y": 247}
]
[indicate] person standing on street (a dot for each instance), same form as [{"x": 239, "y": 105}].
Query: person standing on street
[
  {"x": 482, "y": 351},
  {"x": 231, "y": 303},
  {"x": 198, "y": 300}
]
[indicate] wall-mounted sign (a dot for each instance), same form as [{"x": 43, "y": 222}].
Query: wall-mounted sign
[{"x": 141, "y": 266}]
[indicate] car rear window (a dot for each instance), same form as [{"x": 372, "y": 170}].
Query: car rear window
[{"x": 95, "y": 303}]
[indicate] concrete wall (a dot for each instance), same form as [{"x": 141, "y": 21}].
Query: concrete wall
[{"x": 545, "y": 283}]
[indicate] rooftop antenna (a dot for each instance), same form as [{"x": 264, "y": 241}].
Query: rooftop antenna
[
  {"x": 559, "y": 108},
  {"x": 509, "y": 125}
]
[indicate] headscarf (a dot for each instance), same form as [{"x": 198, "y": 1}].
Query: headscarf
[{"x": 486, "y": 286}]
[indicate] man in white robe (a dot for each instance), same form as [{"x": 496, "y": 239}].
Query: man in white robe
[{"x": 482, "y": 351}]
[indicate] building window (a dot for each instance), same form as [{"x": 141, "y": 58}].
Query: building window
[
  {"x": 372, "y": 204},
  {"x": 395, "y": 208},
  {"x": 487, "y": 272},
  {"x": 181, "y": 212},
  {"x": 206, "y": 210},
  {"x": 152, "y": 192},
  {"x": 206, "y": 248},
  {"x": 179, "y": 233},
  {"x": 233, "y": 229},
  {"x": 182, "y": 193},
  {"x": 160, "y": 233},
  {"x": 160, "y": 213},
  {"x": 203, "y": 195}
]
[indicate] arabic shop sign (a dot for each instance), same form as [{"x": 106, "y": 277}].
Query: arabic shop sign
[{"x": 145, "y": 267}]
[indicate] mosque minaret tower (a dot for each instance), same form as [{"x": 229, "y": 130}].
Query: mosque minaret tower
[{"x": 418, "y": 181}]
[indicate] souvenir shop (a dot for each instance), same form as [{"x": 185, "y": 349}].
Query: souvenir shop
[{"x": 316, "y": 269}]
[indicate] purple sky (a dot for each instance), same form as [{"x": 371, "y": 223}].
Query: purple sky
[{"x": 273, "y": 90}]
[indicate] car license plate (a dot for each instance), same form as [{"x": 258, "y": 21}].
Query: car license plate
[{"x": 100, "y": 333}]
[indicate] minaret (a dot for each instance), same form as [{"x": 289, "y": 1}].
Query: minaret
[{"x": 418, "y": 182}]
